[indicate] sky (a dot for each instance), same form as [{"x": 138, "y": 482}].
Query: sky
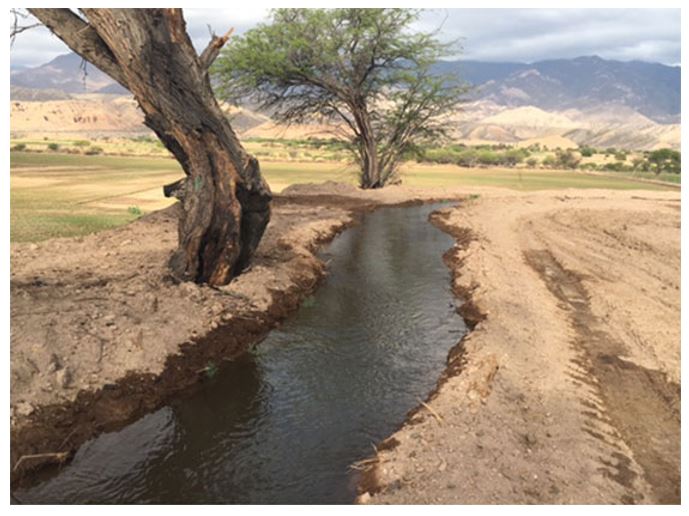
[{"x": 523, "y": 35}]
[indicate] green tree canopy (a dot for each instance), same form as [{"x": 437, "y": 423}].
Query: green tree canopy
[
  {"x": 363, "y": 67},
  {"x": 666, "y": 160}
]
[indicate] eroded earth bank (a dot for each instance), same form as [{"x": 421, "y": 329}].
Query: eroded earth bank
[
  {"x": 569, "y": 385},
  {"x": 100, "y": 335}
]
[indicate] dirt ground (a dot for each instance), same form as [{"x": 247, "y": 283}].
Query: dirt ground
[
  {"x": 569, "y": 385},
  {"x": 567, "y": 390}
]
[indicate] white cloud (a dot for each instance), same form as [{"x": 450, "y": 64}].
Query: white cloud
[{"x": 486, "y": 34}]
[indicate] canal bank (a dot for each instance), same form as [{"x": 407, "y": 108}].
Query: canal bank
[
  {"x": 569, "y": 387},
  {"x": 101, "y": 337},
  {"x": 284, "y": 422}
]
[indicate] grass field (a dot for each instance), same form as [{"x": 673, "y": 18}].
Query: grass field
[{"x": 55, "y": 194}]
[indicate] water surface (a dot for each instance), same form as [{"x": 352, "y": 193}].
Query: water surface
[{"x": 283, "y": 423}]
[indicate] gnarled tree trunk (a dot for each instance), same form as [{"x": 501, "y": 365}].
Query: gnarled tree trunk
[{"x": 225, "y": 200}]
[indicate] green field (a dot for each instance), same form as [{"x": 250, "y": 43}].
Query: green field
[{"x": 54, "y": 194}]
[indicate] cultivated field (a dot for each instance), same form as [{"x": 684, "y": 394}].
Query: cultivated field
[{"x": 55, "y": 194}]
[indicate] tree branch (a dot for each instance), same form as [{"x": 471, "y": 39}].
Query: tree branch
[
  {"x": 213, "y": 49},
  {"x": 81, "y": 38}
]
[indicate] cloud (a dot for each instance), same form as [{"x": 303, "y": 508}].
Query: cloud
[
  {"x": 524, "y": 35},
  {"x": 536, "y": 34}
]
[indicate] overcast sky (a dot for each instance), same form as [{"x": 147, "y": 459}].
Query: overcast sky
[{"x": 524, "y": 35}]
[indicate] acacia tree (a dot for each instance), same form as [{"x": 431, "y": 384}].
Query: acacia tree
[
  {"x": 665, "y": 160},
  {"x": 225, "y": 202},
  {"x": 364, "y": 67}
]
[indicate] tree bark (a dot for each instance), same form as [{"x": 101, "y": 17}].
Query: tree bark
[
  {"x": 368, "y": 149},
  {"x": 225, "y": 200}
]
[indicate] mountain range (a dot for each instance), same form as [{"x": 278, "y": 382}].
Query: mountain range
[
  {"x": 585, "y": 100},
  {"x": 651, "y": 89}
]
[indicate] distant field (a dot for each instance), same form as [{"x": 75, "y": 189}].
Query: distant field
[{"x": 55, "y": 194}]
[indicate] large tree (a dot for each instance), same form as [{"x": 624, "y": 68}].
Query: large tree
[
  {"x": 225, "y": 203},
  {"x": 363, "y": 67}
]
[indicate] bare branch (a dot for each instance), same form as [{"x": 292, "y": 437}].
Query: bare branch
[
  {"x": 213, "y": 49},
  {"x": 15, "y": 28}
]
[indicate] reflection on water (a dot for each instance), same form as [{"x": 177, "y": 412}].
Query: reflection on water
[{"x": 283, "y": 423}]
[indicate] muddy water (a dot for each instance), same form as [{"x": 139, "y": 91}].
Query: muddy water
[{"x": 283, "y": 423}]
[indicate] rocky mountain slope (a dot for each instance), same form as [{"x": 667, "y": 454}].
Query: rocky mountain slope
[
  {"x": 566, "y": 102},
  {"x": 651, "y": 89}
]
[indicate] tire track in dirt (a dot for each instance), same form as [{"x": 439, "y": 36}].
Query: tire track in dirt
[{"x": 630, "y": 403}]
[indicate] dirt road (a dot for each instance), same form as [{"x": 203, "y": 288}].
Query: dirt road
[{"x": 569, "y": 385}]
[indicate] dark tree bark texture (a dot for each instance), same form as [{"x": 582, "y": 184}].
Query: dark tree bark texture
[{"x": 225, "y": 200}]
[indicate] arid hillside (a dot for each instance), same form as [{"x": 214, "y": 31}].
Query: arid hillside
[
  {"x": 563, "y": 103},
  {"x": 612, "y": 126},
  {"x": 479, "y": 122}
]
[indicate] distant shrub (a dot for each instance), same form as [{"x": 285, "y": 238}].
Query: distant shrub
[
  {"x": 488, "y": 158},
  {"x": 480, "y": 155},
  {"x": 567, "y": 159},
  {"x": 442, "y": 156},
  {"x": 665, "y": 160},
  {"x": 614, "y": 167},
  {"x": 549, "y": 161},
  {"x": 19, "y": 147},
  {"x": 512, "y": 157},
  {"x": 621, "y": 156},
  {"x": 134, "y": 210},
  {"x": 53, "y": 146},
  {"x": 532, "y": 162},
  {"x": 587, "y": 152},
  {"x": 93, "y": 150},
  {"x": 144, "y": 139},
  {"x": 639, "y": 163}
]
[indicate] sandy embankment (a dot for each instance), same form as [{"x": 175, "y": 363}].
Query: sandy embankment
[{"x": 569, "y": 387}]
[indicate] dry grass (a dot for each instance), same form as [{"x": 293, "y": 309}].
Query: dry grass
[{"x": 54, "y": 194}]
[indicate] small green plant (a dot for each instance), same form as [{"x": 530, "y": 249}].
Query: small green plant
[
  {"x": 19, "y": 147},
  {"x": 211, "y": 370},
  {"x": 532, "y": 162},
  {"x": 134, "y": 210},
  {"x": 53, "y": 146}
]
